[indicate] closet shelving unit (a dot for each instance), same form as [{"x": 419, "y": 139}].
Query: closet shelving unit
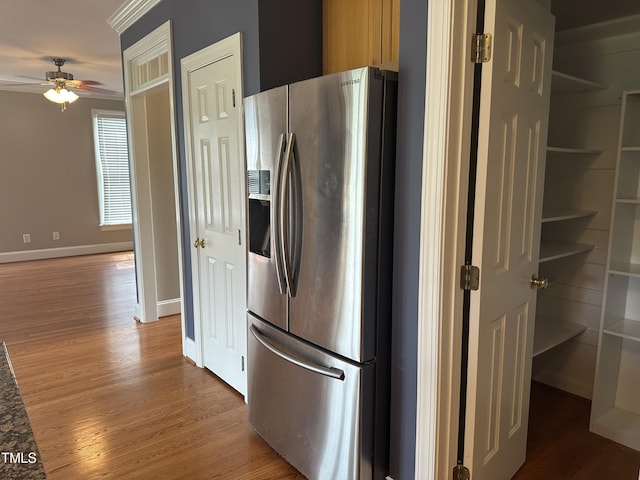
[
  {"x": 615, "y": 411},
  {"x": 551, "y": 331}
]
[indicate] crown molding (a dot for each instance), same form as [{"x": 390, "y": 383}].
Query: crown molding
[{"x": 130, "y": 12}]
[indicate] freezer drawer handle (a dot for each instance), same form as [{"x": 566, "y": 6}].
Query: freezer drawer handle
[{"x": 329, "y": 372}]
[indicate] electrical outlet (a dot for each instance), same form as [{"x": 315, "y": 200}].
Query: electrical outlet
[
  {"x": 56, "y": 235},
  {"x": 26, "y": 237}
]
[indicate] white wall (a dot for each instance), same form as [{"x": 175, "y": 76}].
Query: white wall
[{"x": 162, "y": 193}]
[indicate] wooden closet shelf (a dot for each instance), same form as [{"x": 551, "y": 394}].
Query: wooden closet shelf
[
  {"x": 565, "y": 83},
  {"x": 550, "y": 332},
  {"x": 576, "y": 151},
  {"x": 632, "y": 200},
  {"x": 624, "y": 268},
  {"x": 624, "y": 328},
  {"x": 556, "y": 250},
  {"x": 560, "y": 214}
]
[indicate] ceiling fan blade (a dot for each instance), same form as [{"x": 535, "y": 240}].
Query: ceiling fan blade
[
  {"x": 91, "y": 82},
  {"x": 39, "y": 79},
  {"x": 89, "y": 88},
  {"x": 17, "y": 84},
  {"x": 81, "y": 83},
  {"x": 59, "y": 79}
]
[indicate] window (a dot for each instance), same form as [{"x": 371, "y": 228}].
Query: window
[{"x": 112, "y": 167}]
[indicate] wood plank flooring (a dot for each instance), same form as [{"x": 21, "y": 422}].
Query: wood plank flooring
[
  {"x": 560, "y": 446},
  {"x": 114, "y": 399},
  {"x": 111, "y": 398}
]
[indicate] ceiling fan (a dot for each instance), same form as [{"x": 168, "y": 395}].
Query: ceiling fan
[
  {"x": 62, "y": 85},
  {"x": 61, "y": 82},
  {"x": 64, "y": 79}
]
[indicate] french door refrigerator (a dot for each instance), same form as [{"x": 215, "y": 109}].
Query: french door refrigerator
[{"x": 320, "y": 163}]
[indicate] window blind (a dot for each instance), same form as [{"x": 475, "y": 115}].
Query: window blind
[{"x": 112, "y": 164}]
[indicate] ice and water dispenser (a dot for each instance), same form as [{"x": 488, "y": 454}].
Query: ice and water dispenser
[{"x": 259, "y": 212}]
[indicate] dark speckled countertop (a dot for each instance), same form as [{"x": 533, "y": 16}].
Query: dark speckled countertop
[{"x": 19, "y": 455}]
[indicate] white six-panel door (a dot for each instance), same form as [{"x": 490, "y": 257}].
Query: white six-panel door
[
  {"x": 217, "y": 176},
  {"x": 510, "y": 178}
]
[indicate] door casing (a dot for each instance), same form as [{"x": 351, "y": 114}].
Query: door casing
[
  {"x": 155, "y": 48},
  {"x": 448, "y": 112},
  {"x": 445, "y": 174}
]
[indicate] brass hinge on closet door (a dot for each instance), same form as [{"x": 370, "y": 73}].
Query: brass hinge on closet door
[
  {"x": 469, "y": 277},
  {"x": 481, "y": 47},
  {"x": 460, "y": 472}
]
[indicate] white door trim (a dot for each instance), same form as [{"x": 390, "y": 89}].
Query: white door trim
[
  {"x": 448, "y": 107},
  {"x": 231, "y": 45},
  {"x": 153, "y": 50}
]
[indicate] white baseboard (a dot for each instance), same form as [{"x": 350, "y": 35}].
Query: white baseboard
[
  {"x": 189, "y": 349},
  {"x": 27, "y": 255},
  {"x": 168, "y": 307}
]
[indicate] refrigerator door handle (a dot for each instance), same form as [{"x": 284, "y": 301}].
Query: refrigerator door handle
[
  {"x": 277, "y": 219},
  {"x": 285, "y": 212},
  {"x": 331, "y": 372}
]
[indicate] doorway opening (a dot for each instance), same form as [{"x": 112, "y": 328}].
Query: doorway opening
[{"x": 148, "y": 75}]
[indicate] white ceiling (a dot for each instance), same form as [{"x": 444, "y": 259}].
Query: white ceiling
[
  {"x": 576, "y": 13},
  {"x": 34, "y": 31}
]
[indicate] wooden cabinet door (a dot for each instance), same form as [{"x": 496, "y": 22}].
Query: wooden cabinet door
[{"x": 357, "y": 33}]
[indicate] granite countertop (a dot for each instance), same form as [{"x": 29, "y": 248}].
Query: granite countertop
[{"x": 19, "y": 455}]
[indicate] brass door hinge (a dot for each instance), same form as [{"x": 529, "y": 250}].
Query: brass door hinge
[
  {"x": 460, "y": 472},
  {"x": 481, "y": 47},
  {"x": 469, "y": 277},
  {"x": 233, "y": 97}
]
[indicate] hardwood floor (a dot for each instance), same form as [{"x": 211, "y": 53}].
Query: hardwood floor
[
  {"x": 111, "y": 398},
  {"x": 560, "y": 446}
]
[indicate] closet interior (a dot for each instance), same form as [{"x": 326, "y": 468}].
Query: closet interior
[{"x": 587, "y": 331}]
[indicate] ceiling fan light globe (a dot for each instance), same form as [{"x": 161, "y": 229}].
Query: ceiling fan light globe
[
  {"x": 60, "y": 95},
  {"x": 72, "y": 97},
  {"x": 68, "y": 95},
  {"x": 53, "y": 96}
]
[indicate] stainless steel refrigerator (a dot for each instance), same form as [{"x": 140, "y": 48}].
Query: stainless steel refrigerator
[{"x": 320, "y": 163}]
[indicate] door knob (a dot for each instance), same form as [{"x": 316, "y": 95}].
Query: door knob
[
  {"x": 536, "y": 282},
  {"x": 199, "y": 243}
]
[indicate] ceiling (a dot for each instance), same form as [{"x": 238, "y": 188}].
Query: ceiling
[
  {"x": 576, "y": 13},
  {"x": 34, "y": 31}
]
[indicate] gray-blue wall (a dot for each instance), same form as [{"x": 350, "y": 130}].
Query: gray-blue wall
[
  {"x": 264, "y": 25},
  {"x": 410, "y": 138}
]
